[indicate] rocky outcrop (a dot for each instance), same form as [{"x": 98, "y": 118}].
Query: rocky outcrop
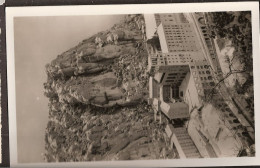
[
  {"x": 89, "y": 133},
  {"x": 97, "y": 94},
  {"x": 102, "y": 75}
]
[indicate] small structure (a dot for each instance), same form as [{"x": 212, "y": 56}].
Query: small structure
[{"x": 178, "y": 110}]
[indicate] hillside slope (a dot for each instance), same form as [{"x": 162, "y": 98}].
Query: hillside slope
[{"x": 97, "y": 94}]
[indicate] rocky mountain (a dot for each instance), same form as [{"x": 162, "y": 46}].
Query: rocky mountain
[{"x": 97, "y": 94}]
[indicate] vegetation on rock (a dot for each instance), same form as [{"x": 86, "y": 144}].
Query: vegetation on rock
[{"x": 97, "y": 94}]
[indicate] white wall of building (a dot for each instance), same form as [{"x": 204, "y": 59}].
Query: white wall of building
[
  {"x": 163, "y": 42},
  {"x": 151, "y": 87},
  {"x": 189, "y": 90},
  {"x": 150, "y": 25}
]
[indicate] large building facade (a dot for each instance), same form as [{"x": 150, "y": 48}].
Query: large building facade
[
  {"x": 176, "y": 66},
  {"x": 182, "y": 78},
  {"x": 177, "y": 34}
]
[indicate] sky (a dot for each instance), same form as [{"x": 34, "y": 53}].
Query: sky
[{"x": 38, "y": 40}]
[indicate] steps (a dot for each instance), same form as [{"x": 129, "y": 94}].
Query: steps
[{"x": 186, "y": 143}]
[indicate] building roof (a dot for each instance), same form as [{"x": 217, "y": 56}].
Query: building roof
[
  {"x": 175, "y": 110},
  {"x": 158, "y": 77}
]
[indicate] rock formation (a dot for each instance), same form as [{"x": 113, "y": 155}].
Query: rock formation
[{"x": 97, "y": 94}]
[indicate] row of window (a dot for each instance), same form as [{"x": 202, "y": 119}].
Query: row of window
[
  {"x": 182, "y": 60},
  {"x": 179, "y": 31},
  {"x": 206, "y": 78},
  {"x": 180, "y": 47},
  {"x": 181, "y": 40},
  {"x": 174, "y": 33},
  {"x": 200, "y": 67},
  {"x": 177, "y": 26},
  {"x": 177, "y": 61},
  {"x": 204, "y": 72},
  {"x": 182, "y": 57},
  {"x": 169, "y": 40},
  {"x": 176, "y": 37},
  {"x": 175, "y": 55},
  {"x": 183, "y": 43},
  {"x": 172, "y": 58}
]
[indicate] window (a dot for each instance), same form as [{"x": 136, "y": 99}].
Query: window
[
  {"x": 181, "y": 93},
  {"x": 212, "y": 83}
]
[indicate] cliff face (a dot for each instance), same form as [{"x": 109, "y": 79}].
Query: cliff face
[{"x": 97, "y": 94}]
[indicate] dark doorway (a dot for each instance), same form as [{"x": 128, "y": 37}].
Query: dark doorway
[{"x": 175, "y": 92}]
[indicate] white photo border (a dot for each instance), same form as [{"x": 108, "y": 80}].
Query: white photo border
[{"x": 12, "y": 12}]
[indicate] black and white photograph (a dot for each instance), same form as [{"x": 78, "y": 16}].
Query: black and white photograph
[{"x": 133, "y": 86}]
